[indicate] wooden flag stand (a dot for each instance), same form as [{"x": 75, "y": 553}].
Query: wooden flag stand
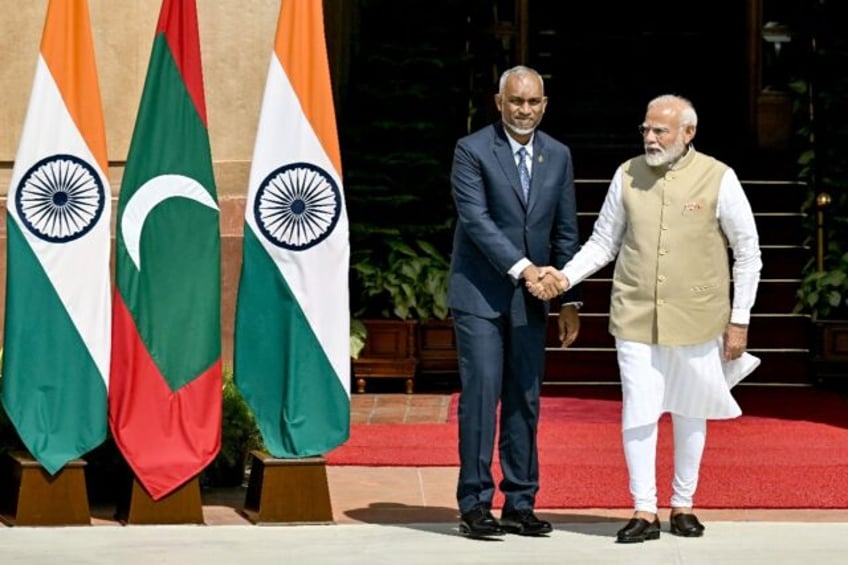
[
  {"x": 287, "y": 490},
  {"x": 39, "y": 499},
  {"x": 183, "y": 506}
]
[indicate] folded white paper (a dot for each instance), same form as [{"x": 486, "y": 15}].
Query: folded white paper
[{"x": 738, "y": 369}]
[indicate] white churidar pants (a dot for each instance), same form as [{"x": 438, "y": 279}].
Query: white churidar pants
[
  {"x": 693, "y": 384},
  {"x": 640, "y": 448}
]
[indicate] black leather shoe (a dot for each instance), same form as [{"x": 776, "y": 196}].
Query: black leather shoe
[
  {"x": 686, "y": 525},
  {"x": 525, "y": 523},
  {"x": 638, "y": 530},
  {"x": 479, "y": 523}
]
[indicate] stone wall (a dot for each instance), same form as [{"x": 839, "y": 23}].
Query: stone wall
[{"x": 236, "y": 41}]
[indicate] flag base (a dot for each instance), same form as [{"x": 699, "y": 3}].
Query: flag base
[
  {"x": 287, "y": 490},
  {"x": 183, "y": 506},
  {"x": 38, "y": 499}
]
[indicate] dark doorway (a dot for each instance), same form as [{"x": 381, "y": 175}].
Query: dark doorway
[{"x": 604, "y": 60}]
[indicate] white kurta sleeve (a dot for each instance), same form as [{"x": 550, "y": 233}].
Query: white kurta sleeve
[
  {"x": 605, "y": 241},
  {"x": 737, "y": 222}
]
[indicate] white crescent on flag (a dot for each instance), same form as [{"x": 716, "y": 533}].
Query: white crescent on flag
[{"x": 147, "y": 197}]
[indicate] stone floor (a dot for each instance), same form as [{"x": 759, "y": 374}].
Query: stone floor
[{"x": 399, "y": 408}]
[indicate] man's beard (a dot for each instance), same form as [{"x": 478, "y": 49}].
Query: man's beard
[
  {"x": 519, "y": 130},
  {"x": 664, "y": 156}
]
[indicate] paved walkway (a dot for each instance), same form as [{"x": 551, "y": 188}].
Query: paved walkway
[
  {"x": 408, "y": 515},
  {"x": 726, "y": 543}
]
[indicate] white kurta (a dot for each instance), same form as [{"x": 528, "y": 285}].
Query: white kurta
[{"x": 688, "y": 380}]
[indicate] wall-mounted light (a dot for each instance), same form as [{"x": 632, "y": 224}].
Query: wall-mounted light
[{"x": 777, "y": 34}]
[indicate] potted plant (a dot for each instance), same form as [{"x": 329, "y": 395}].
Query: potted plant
[
  {"x": 358, "y": 333},
  {"x": 397, "y": 289},
  {"x": 822, "y": 115},
  {"x": 9, "y": 441},
  {"x": 824, "y": 293},
  {"x": 239, "y": 435}
]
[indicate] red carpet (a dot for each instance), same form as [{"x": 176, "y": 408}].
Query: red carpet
[{"x": 789, "y": 450}]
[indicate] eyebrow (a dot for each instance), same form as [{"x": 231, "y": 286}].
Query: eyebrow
[{"x": 534, "y": 100}]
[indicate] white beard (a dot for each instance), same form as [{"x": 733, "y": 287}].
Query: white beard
[
  {"x": 517, "y": 130},
  {"x": 664, "y": 156}
]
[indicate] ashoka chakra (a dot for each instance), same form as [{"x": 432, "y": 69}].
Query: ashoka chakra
[
  {"x": 297, "y": 206},
  {"x": 60, "y": 198}
]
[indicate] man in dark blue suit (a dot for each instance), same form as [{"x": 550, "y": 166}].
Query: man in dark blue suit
[{"x": 514, "y": 192}]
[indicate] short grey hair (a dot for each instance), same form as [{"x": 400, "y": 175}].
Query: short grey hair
[
  {"x": 688, "y": 117},
  {"x": 519, "y": 70}
]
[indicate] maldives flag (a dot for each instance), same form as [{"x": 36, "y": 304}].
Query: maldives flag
[
  {"x": 292, "y": 334},
  {"x": 165, "y": 389},
  {"x": 58, "y": 290}
]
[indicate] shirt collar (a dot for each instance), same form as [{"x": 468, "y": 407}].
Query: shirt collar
[{"x": 516, "y": 146}]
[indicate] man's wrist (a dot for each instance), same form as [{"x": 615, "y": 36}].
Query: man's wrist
[
  {"x": 575, "y": 305},
  {"x": 517, "y": 270}
]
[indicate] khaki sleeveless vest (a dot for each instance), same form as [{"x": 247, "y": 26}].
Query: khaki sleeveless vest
[{"x": 672, "y": 279}]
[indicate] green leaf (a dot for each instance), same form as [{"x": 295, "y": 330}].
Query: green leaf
[
  {"x": 358, "y": 334},
  {"x": 408, "y": 282}
]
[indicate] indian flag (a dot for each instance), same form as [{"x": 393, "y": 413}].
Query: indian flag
[
  {"x": 165, "y": 388},
  {"x": 56, "y": 350},
  {"x": 292, "y": 334}
]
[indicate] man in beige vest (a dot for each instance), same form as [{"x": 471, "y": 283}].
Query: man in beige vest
[{"x": 668, "y": 218}]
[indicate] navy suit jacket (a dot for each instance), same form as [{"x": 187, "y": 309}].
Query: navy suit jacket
[{"x": 496, "y": 228}]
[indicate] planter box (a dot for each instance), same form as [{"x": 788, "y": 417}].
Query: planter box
[
  {"x": 389, "y": 352},
  {"x": 437, "y": 347},
  {"x": 831, "y": 359}
]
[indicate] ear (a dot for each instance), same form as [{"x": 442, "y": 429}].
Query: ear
[
  {"x": 689, "y": 133},
  {"x": 498, "y": 102}
]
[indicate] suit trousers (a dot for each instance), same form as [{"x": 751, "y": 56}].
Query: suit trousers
[{"x": 499, "y": 362}]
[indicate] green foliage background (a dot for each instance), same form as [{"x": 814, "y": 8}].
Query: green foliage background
[{"x": 822, "y": 108}]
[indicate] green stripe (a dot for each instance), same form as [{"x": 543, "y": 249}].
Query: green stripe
[
  {"x": 51, "y": 388},
  {"x": 280, "y": 367},
  {"x": 175, "y": 298},
  {"x": 169, "y": 135}
]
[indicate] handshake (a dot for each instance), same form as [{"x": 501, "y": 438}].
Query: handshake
[{"x": 545, "y": 282}]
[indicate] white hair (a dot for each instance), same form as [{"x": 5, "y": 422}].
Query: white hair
[
  {"x": 519, "y": 70},
  {"x": 687, "y": 118}
]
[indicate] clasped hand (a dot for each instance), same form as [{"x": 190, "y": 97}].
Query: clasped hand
[{"x": 545, "y": 282}]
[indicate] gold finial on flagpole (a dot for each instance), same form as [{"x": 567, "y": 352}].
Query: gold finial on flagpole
[{"x": 822, "y": 201}]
